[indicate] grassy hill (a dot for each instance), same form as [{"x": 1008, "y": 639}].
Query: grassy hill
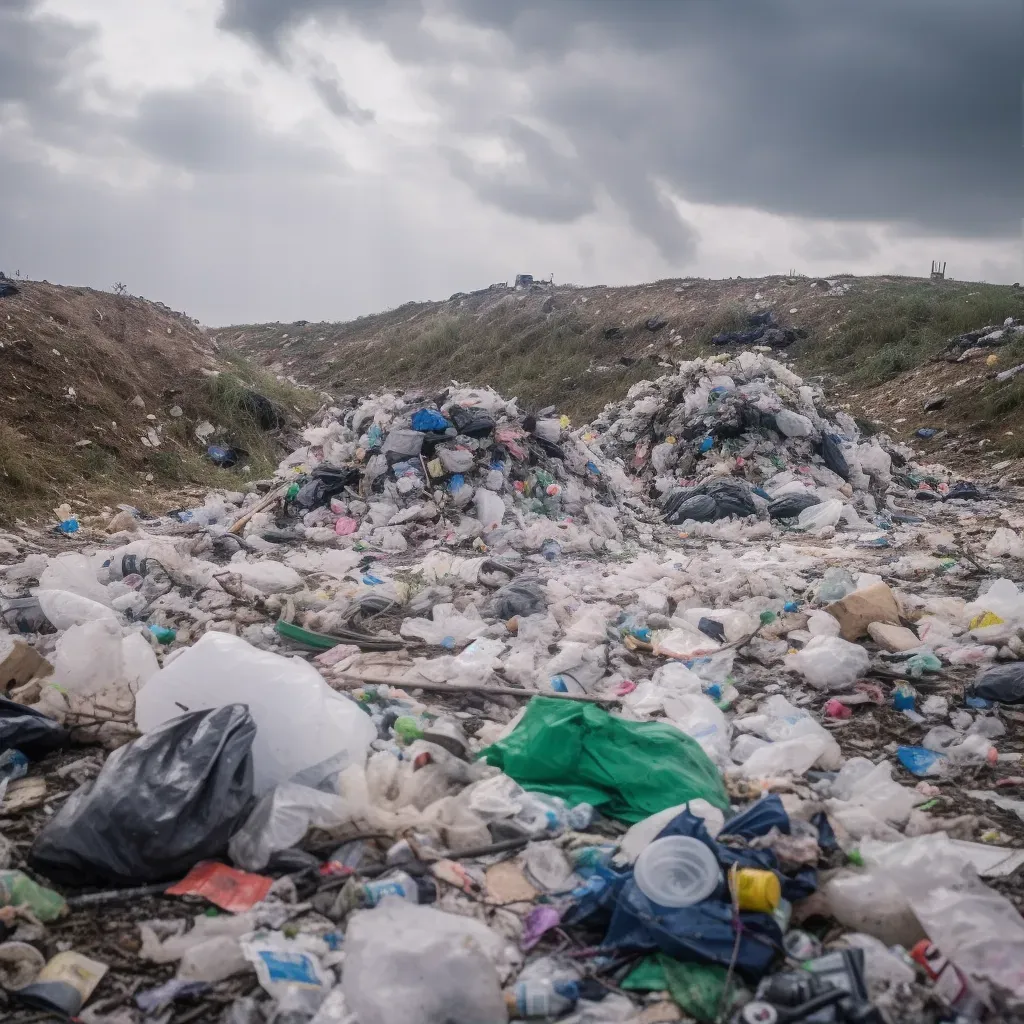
[
  {"x": 101, "y": 394},
  {"x": 581, "y": 347}
]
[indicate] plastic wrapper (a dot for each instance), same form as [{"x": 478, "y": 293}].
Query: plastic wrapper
[{"x": 159, "y": 805}]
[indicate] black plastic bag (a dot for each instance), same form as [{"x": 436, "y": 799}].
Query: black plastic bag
[
  {"x": 964, "y": 489},
  {"x": 325, "y": 482},
  {"x": 733, "y": 497},
  {"x": 263, "y": 410},
  {"x": 789, "y": 506},
  {"x": 717, "y": 499},
  {"x": 520, "y": 597},
  {"x": 25, "y": 729},
  {"x": 161, "y": 804},
  {"x": 471, "y": 422},
  {"x": 833, "y": 455},
  {"x": 700, "y": 507},
  {"x": 1002, "y": 683}
]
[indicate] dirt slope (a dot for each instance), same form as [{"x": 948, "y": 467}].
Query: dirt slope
[
  {"x": 72, "y": 363},
  {"x": 580, "y": 347}
]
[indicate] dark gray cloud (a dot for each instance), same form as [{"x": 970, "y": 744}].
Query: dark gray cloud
[
  {"x": 36, "y": 54},
  {"x": 210, "y": 129},
  {"x": 540, "y": 183},
  {"x": 338, "y": 102},
  {"x": 908, "y": 113}
]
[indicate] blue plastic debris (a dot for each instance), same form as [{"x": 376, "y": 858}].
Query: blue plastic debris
[
  {"x": 705, "y": 931},
  {"x": 221, "y": 456},
  {"x": 921, "y": 761},
  {"x": 429, "y": 420},
  {"x": 927, "y": 433},
  {"x": 69, "y": 526},
  {"x": 707, "y": 444}
]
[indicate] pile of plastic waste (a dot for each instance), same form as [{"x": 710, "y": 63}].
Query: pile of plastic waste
[{"x": 704, "y": 710}]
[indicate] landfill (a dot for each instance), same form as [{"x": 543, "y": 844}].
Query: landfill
[{"x": 704, "y": 710}]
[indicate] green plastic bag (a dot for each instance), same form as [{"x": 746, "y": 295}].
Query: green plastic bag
[
  {"x": 695, "y": 988},
  {"x": 18, "y": 890},
  {"x": 647, "y": 976},
  {"x": 627, "y": 770}
]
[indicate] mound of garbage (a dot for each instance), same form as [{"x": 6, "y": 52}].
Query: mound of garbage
[{"x": 703, "y": 710}]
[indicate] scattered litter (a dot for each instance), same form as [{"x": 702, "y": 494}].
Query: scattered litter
[{"x": 480, "y": 693}]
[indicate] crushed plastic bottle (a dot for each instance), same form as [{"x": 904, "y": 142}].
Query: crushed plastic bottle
[
  {"x": 551, "y": 550},
  {"x": 835, "y": 585}
]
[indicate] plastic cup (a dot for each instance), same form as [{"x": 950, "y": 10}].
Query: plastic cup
[{"x": 677, "y": 871}]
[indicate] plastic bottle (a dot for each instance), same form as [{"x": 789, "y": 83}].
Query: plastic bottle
[
  {"x": 835, "y": 585},
  {"x": 398, "y": 884},
  {"x": 551, "y": 549},
  {"x": 542, "y": 997}
]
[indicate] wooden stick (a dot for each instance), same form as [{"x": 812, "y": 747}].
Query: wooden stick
[
  {"x": 503, "y": 691},
  {"x": 280, "y": 492}
]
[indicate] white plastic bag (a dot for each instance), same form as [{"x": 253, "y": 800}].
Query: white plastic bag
[
  {"x": 1004, "y": 543},
  {"x": 300, "y": 720},
  {"x": 698, "y": 717},
  {"x": 64, "y": 609},
  {"x": 73, "y": 573},
  {"x": 280, "y": 819},
  {"x": 818, "y": 517},
  {"x": 830, "y": 663},
  {"x": 268, "y": 576},
  {"x": 94, "y": 657},
  {"x": 490, "y": 509},
  {"x": 410, "y": 964},
  {"x": 792, "y": 424}
]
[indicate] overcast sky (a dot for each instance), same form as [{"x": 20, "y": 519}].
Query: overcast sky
[{"x": 250, "y": 160}]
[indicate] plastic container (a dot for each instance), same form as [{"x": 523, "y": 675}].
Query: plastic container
[
  {"x": 757, "y": 890},
  {"x": 677, "y": 871}
]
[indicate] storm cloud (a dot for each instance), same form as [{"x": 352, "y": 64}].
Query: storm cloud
[
  {"x": 264, "y": 159},
  {"x": 906, "y": 112}
]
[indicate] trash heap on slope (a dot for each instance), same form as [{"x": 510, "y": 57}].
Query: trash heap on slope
[
  {"x": 451, "y": 722},
  {"x": 746, "y": 436}
]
